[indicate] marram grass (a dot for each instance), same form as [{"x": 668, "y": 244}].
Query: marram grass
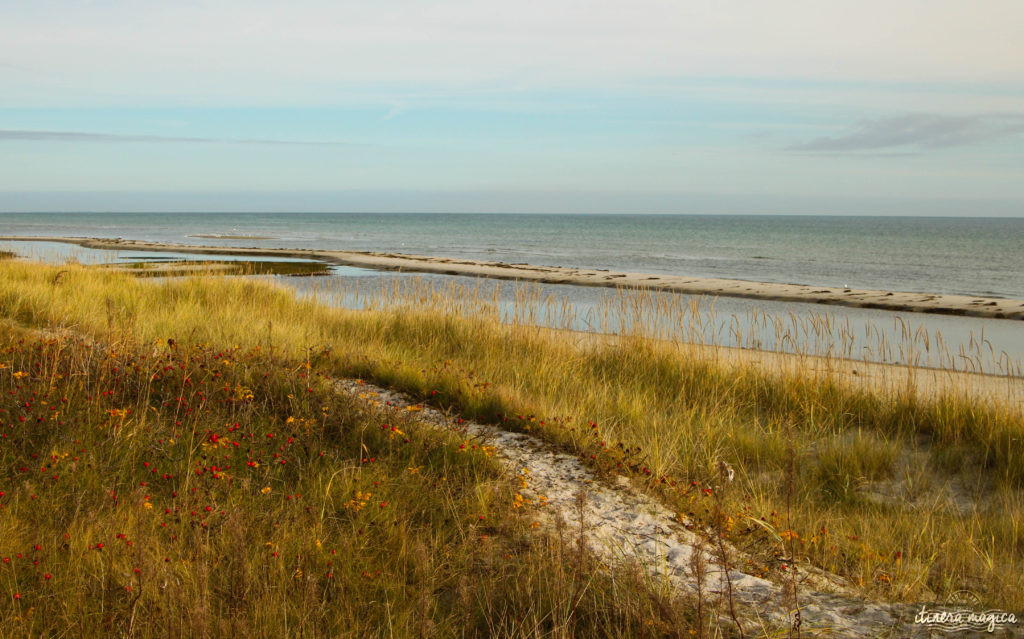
[
  {"x": 909, "y": 496},
  {"x": 186, "y": 491}
]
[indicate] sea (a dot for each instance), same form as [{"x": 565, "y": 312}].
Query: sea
[{"x": 967, "y": 256}]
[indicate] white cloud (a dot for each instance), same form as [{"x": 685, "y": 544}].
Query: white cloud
[
  {"x": 920, "y": 131},
  {"x": 28, "y": 135},
  {"x": 314, "y": 51}
]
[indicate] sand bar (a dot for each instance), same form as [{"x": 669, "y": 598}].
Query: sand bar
[
  {"x": 218, "y": 236},
  {"x": 859, "y": 298}
]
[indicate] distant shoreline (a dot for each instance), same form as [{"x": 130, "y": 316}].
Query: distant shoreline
[{"x": 962, "y": 305}]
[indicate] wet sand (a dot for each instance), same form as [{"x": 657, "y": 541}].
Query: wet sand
[{"x": 859, "y": 298}]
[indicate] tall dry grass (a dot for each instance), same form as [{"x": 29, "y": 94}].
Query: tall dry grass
[
  {"x": 157, "y": 490},
  {"x": 909, "y": 495}
]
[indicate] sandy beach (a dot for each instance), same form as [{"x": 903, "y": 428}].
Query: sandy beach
[
  {"x": 999, "y": 308},
  {"x": 885, "y": 378}
]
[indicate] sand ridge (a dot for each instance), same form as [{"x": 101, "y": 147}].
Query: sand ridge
[{"x": 965, "y": 305}]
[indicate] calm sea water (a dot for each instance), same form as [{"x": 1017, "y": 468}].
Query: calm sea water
[{"x": 980, "y": 256}]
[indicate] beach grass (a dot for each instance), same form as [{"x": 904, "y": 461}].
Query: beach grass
[
  {"x": 170, "y": 490},
  {"x": 908, "y": 495}
]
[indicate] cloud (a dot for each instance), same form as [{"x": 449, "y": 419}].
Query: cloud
[
  {"x": 918, "y": 131},
  {"x": 318, "y": 52},
  {"x": 80, "y": 136}
]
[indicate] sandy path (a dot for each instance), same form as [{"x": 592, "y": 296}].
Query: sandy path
[
  {"x": 860, "y": 298},
  {"x": 620, "y": 524}
]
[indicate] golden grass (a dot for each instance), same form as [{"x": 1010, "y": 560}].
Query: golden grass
[
  {"x": 908, "y": 496},
  {"x": 186, "y": 491}
]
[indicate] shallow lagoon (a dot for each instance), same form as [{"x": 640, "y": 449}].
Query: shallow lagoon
[{"x": 966, "y": 343}]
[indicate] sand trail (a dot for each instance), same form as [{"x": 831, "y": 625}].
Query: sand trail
[{"x": 620, "y": 524}]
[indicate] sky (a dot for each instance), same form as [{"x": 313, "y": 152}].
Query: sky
[{"x": 789, "y": 106}]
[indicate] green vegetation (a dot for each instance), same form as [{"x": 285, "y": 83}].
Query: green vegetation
[
  {"x": 910, "y": 496},
  {"x": 182, "y": 268}
]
